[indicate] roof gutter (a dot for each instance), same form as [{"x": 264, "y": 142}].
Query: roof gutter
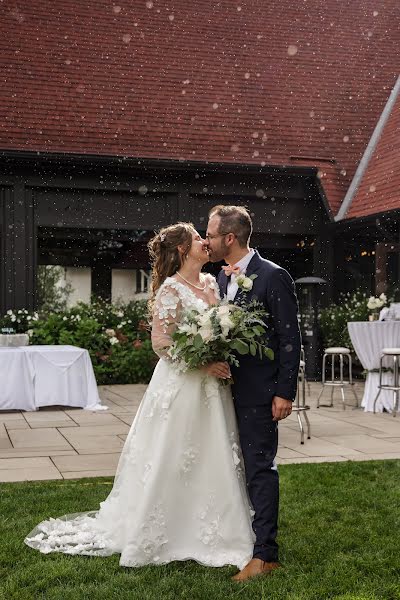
[{"x": 362, "y": 167}]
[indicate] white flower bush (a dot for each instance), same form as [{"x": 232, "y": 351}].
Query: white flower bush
[{"x": 374, "y": 302}]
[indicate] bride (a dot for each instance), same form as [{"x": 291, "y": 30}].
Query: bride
[{"x": 179, "y": 492}]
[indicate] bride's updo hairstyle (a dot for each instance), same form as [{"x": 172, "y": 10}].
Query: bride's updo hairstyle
[{"x": 164, "y": 255}]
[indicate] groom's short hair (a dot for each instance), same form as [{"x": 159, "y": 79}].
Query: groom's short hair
[{"x": 234, "y": 219}]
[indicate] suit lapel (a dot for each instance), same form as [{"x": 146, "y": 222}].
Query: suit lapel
[
  {"x": 252, "y": 269},
  {"x": 223, "y": 284}
]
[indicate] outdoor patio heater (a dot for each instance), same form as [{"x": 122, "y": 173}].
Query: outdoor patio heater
[{"x": 309, "y": 291}]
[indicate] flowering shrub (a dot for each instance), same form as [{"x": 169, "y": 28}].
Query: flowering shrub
[
  {"x": 116, "y": 337},
  {"x": 375, "y": 303},
  {"x": 333, "y": 319},
  {"x": 19, "y": 320}
]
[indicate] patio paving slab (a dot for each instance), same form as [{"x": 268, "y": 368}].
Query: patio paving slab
[
  {"x": 89, "y": 462},
  {"x": 73, "y": 443},
  {"x": 27, "y": 469},
  {"x": 38, "y": 438}
]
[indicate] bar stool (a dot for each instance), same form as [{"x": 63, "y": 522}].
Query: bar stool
[
  {"x": 395, "y": 385},
  {"x": 301, "y": 408},
  {"x": 341, "y": 353},
  {"x": 303, "y": 360}
]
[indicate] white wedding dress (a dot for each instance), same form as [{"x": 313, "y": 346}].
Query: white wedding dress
[{"x": 179, "y": 492}]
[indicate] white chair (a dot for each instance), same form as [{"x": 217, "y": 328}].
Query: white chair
[
  {"x": 333, "y": 382},
  {"x": 394, "y": 353}
]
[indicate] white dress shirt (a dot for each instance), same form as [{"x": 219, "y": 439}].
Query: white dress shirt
[{"x": 243, "y": 263}]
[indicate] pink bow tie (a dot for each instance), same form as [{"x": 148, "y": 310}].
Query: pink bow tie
[{"x": 229, "y": 270}]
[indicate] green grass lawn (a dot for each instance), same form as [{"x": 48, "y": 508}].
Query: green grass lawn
[{"x": 339, "y": 538}]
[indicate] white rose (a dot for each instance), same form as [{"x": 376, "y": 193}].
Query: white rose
[
  {"x": 190, "y": 329},
  {"x": 372, "y": 303},
  {"x": 226, "y": 323},
  {"x": 30, "y": 332},
  {"x": 110, "y": 333},
  {"x": 28, "y": 318},
  {"x": 206, "y": 333},
  {"x": 13, "y": 318},
  {"x": 120, "y": 314},
  {"x": 10, "y": 312},
  {"x": 204, "y": 320},
  {"x": 223, "y": 310},
  {"x": 247, "y": 284},
  {"x": 113, "y": 340},
  {"x": 383, "y": 297}
]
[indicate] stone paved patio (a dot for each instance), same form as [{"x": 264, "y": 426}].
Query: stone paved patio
[{"x": 59, "y": 443}]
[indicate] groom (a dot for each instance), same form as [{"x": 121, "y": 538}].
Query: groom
[{"x": 263, "y": 389}]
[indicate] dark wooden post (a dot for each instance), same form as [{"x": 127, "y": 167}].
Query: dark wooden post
[
  {"x": 18, "y": 247},
  {"x": 101, "y": 281}
]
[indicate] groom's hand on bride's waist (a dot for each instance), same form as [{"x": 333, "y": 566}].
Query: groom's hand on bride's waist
[
  {"x": 218, "y": 369},
  {"x": 281, "y": 408}
]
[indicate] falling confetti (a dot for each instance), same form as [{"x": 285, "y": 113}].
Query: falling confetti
[
  {"x": 126, "y": 38},
  {"x": 346, "y": 139},
  {"x": 116, "y": 9},
  {"x": 292, "y": 50},
  {"x": 215, "y": 106}
]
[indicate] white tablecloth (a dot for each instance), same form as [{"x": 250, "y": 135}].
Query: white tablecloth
[
  {"x": 35, "y": 376},
  {"x": 368, "y": 339},
  {"x": 16, "y": 380}
]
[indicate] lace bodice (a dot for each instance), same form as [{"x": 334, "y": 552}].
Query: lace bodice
[{"x": 172, "y": 298}]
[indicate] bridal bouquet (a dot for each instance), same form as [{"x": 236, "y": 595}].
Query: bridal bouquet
[{"x": 219, "y": 334}]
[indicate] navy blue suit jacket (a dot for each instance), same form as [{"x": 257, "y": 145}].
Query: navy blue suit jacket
[{"x": 257, "y": 381}]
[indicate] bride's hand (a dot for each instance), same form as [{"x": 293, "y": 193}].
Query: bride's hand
[{"x": 218, "y": 369}]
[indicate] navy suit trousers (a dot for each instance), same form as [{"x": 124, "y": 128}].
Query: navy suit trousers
[{"x": 259, "y": 440}]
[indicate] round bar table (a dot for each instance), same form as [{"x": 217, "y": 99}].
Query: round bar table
[{"x": 368, "y": 339}]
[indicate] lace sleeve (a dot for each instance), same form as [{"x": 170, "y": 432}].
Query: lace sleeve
[{"x": 166, "y": 312}]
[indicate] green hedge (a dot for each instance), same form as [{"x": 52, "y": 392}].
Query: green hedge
[
  {"x": 333, "y": 319},
  {"x": 116, "y": 337}
]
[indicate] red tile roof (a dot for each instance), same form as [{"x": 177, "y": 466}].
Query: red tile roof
[
  {"x": 236, "y": 81},
  {"x": 379, "y": 189}
]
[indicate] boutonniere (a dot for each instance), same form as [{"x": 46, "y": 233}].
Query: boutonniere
[{"x": 245, "y": 283}]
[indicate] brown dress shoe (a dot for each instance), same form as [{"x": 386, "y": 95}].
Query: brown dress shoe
[{"x": 255, "y": 568}]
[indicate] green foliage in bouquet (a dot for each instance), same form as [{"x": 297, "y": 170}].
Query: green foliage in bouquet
[{"x": 220, "y": 333}]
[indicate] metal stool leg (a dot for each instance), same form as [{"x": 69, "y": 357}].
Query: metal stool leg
[
  {"x": 396, "y": 384},
  {"x": 332, "y": 392},
  {"x": 341, "y": 380},
  {"x": 301, "y": 427},
  {"x": 380, "y": 384},
  {"x": 323, "y": 379},
  {"x": 308, "y": 425},
  {"x": 353, "y": 389}
]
